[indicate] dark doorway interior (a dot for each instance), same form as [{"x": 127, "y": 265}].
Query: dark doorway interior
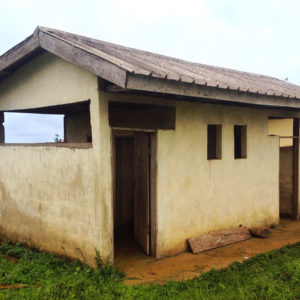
[
  {"x": 132, "y": 192},
  {"x": 123, "y": 210}
]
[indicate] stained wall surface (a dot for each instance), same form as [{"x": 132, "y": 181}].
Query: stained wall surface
[
  {"x": 214, "y": 194},
  {"x": 195, "y": 195},
  {"x": 65, "y": 203},
  {"x": 52, "y": 197}
]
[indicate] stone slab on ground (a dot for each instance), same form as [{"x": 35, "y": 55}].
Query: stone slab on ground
[
  {"x": 218, "y": 239},
  {"x": 260, "y": 232}
]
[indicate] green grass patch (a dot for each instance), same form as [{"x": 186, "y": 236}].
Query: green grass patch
[{"x": 271, "y": 275}]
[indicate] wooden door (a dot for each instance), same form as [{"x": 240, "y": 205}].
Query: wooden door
[{"x": 142, "y": 190}]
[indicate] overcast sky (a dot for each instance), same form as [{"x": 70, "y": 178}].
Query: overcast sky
[{"x": 255, "y": 36}]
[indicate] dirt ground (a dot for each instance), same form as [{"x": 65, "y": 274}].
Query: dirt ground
[{"x": 140, "y": 268}]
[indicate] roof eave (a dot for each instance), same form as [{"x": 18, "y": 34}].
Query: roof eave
[
  {"x": 172, "y": 87},
  {"x": 18, "y": 52}
]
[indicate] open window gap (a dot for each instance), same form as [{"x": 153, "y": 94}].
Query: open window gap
[
  {"x": 33, "y": 128},
  {"x": 214, "y": 142},
  {"x": 68, "y": 123},
  {"x": 240, "y": 141}
]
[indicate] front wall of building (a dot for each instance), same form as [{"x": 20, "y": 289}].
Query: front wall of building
[
  {"x": 195, "y": 195},
  {"x": 62, "y": 198},
  {"x": 50, "y": 196}
]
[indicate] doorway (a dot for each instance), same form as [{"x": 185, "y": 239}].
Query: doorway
[
  {"x": 288, "y": 131},
  {"x": 134, "y": 197}
]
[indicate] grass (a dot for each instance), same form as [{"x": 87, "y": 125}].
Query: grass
[{"x": 271, "y": 275}]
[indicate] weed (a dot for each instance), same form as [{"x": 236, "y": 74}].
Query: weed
[
  {"x": 40, "y": 275},
  {"x": 106, "y": 269}
]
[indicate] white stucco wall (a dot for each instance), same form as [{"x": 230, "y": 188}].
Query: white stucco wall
[
  {"x": 63, "y": 197},
  {"x": 196, "y": 196},
  {"x": 53, "y": 197}
]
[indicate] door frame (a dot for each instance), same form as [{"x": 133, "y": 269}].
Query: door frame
[
  {"x": 129, "y": 132},
  {"x": 295, "y": 201}
]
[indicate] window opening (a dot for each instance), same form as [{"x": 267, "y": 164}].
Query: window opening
[
  {"x": 68, "y": 123},
  {"x": 214, "y": 141},
  {"x": 240, "y": 141}
]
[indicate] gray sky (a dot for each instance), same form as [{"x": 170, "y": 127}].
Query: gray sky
[{"x": 255, "y": 36}]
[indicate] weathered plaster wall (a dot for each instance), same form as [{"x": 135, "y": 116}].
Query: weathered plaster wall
[
  {"x": 77, "y": 128},
  {"x": 63, "y": 210},
  {"x": 53, "y": 196},
  {"x": 46, "y": 196},
  {"x": 46, "y": 80},
  {"x": 196, "y": 196}
]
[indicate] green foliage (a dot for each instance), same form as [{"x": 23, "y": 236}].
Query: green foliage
[
  {"x": 271, "y": 275},
  {"x": 106, "y": 270}
]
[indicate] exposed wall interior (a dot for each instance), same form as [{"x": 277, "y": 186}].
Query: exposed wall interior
[
  {"x": 282, "y": 127},
  {"x": 78, "y": 128}
]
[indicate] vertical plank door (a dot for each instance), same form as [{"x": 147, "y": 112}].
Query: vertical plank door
[{"x": 141, "y": 190}]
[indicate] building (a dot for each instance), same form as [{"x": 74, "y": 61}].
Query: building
[{"x": 156, "y": 149}]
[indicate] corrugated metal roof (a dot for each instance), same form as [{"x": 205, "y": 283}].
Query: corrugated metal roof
[
  {"x": 160, "y": 66},
  {"x": 114, "y": 63}
]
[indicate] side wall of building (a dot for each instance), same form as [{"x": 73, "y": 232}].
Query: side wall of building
[{"x": 50, "y": 196}]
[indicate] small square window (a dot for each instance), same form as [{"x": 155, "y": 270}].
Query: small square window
[
  {"x": 214, "y": 141},
  {"x": 240, "y": 141}
]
